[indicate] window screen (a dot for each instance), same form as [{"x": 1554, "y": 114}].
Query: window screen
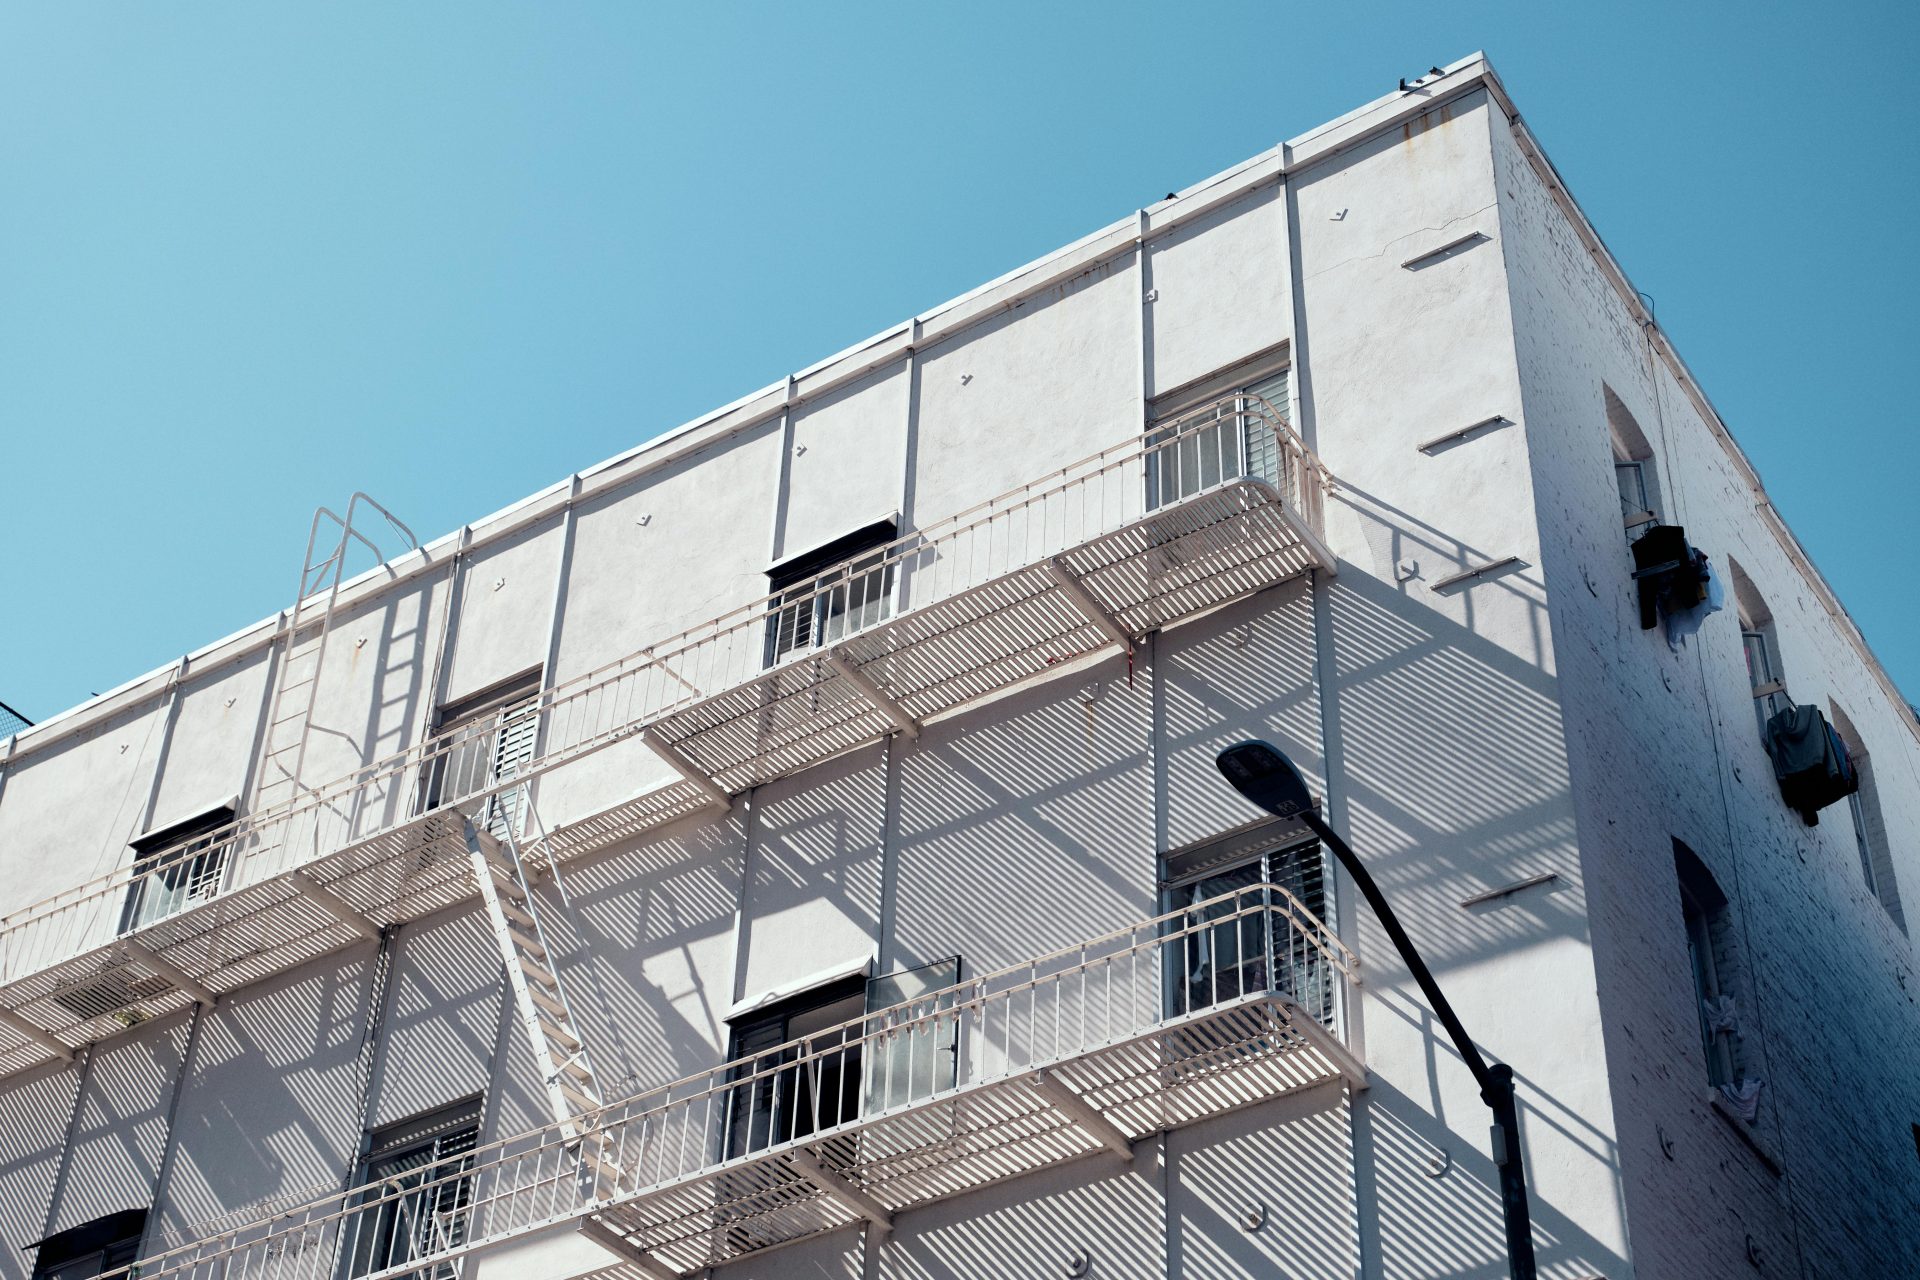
[{"x": 1250, "y": 949}]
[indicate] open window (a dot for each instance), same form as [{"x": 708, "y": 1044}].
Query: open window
[
  {"x": 1758, "y": 640},
  {"x": 1633, "y": 469},
  {"x": 92, "y": 1248},
  {"x": 1250, "y": 948},
  {"x": 178, "y": 866},
  {"x": 484, "y": 740},
  {"x": 1869, "y": 827},
  {"x": 1705, "y": 916},
  {"x": 831, "y": 592},
  {"x": 418, "y": 1193},
  {"x": 799, "y": 1067},
  {"x": 1203, "y": 438}
]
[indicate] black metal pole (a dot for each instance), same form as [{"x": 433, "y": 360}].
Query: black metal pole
[
  {"x": 1495, "y": 1081},
  {"x": 1259, "y": 772}
]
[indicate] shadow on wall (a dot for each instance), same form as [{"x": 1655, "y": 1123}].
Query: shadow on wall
[
  {"x": 1430, "y": 1203},
  {"x": 120, "y": 1136},
  {"x": 1027, "y": 825},
  {"x": 645, "y": 947},
  {"x": 1454, "y": 776},
  {"x": 1267, "y": 1191},
  {"x": 35, "y": 1107},
  {"x": 270, "y": 1114},
  {"x": 1417, "y": 1159}
]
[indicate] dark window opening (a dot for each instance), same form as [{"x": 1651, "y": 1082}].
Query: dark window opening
[
  {"x": 178, "y": 867},
  {"x": 831, "y": 592},
  {"x": 1708, "y": 923},
  {"x": 417, "y": 1193},
  {"x": 798, "y": 1069},
  {"x": 92, "y": 1248}
]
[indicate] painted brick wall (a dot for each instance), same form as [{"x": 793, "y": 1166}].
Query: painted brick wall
[{"x": 1663, "y": 746}]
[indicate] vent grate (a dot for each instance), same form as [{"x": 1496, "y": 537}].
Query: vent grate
[{"x": 112, "y": 992}]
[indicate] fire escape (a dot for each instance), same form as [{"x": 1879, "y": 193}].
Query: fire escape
[{"x": 1079, "y": 1052}]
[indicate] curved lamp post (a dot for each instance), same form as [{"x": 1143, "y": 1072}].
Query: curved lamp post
[{"x": 1260, "y": 773}]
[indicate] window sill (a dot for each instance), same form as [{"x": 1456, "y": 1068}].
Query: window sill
[{"x": 1747, "y": 1133}]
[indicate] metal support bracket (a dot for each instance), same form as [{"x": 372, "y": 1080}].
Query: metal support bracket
[
  {"x": 1075, "y": 590},
  {"x": 1326, "y": 1042},
  {"x": 873, "y": 693},
  {"x": 171, "y": 972},
  {"x": 615, "y": 1243},
  {"x": 325, "y": 899},
  {"x": 840, "y": 1189},
  {"x": 39, "y": 1035},
  {"x": 667, "y": 752},
  {"x": 1081, "y": 1112}
]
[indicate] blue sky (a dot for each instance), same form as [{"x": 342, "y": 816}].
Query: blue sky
[{"x": 256, "y": 256}]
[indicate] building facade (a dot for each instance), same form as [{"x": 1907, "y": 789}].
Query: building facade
[{"x": 794, "y": 847}]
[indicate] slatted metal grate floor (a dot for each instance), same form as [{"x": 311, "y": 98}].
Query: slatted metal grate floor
[{"x": 1156, "y": 571}]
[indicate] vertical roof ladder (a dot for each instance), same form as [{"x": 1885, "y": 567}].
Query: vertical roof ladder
[{"x": 289, "y": 725}]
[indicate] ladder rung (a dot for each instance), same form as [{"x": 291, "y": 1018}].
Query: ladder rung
[
  {"x": 534, "y": 969},
  {"x": 560, "y": 1035},
  {"x": 550, "y": 1003},
  {"x": 578, "y": 1070},
  {"x": 528, "y": 943},
  {"x": 586, "y": 1100},
  {"x": 514, "y": 911}
]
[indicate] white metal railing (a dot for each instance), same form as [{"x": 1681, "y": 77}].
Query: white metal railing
[
  {"x": 819, "y": 1090},
  {"x": 1068, "y": 507}
]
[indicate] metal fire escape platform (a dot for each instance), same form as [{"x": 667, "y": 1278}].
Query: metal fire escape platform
[
  {"x": 1071, "y": 565},
  {"x": 1080, "y": 1054}
]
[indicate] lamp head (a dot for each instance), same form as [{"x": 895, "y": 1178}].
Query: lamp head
[{"x": 1260, "y": 773}]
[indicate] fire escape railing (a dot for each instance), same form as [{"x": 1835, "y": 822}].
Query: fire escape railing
[
  {"x": 1190, "y": 1013},
  {"x": 666, "y": 693}
]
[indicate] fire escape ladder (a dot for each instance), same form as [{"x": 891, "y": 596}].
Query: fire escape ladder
[
  {"x": 295, "y": 692},
  {"x": 533, "y": 974}
]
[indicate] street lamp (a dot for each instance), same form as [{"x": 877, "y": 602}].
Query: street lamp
[{"x": 1260, "y": 773}]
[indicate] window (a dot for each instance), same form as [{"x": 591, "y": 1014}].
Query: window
[
  {"x": 827, "y": 1055},
  {"x": 1251, "y": 949},
  {"x": 92, "y": 1248},
  {"x": 1207, "y": 440},
  {"x": 418, "y": 1191},
  {"x": 488, "y": 738},
  {"x": 1762, "y": 653},
  {"x": 1869, "y": 826},
  {"x": 1704, "y": 914},
  {"x": 831, "y": 592},
  {"x": 177, "y": 867},
  {"x": 1633, "y": 471},
  {"x": 787, "y": 1090},
  {"x": 917, "y": 1047}
]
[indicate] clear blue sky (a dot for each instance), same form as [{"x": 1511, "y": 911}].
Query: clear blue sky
[{"x": 255, "y": 256}]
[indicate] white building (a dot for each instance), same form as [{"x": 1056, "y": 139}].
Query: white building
[{"x": 794, "y": 847}]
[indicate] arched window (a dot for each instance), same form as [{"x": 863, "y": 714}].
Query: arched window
[
  {"x": 1633, "y": 470},
  {"x": 1869, "y": 828},
  {"x": 1757, "y": 636},
  {"x": 1716, "y": 970}
]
